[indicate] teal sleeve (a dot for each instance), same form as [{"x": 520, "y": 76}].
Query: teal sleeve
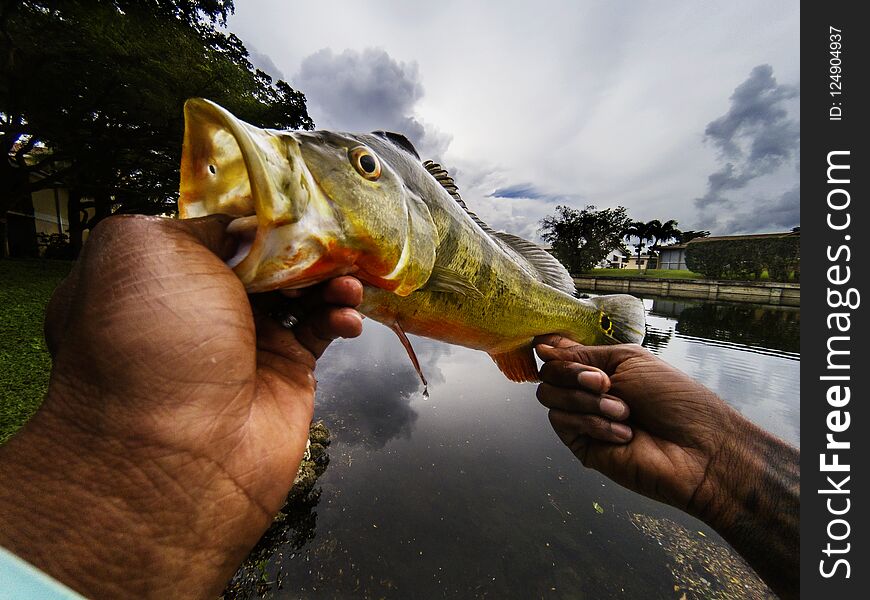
[{"x": 19, "y": 580}]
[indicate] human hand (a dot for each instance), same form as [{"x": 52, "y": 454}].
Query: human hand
[
  {"x": 176, "y": 418},
  {"x": 641, "y": 422},
  {"x": 653, "y": 429}
]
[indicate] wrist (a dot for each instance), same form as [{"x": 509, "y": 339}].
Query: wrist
[
  {"x": 731, "y": 465},
  {"x": 751, "y": 496},
  {"x": 54, "y": 514}
]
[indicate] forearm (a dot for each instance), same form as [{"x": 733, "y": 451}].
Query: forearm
[
  {"x": 751, "y": 496},
  {"x": 106, "y": 523}
]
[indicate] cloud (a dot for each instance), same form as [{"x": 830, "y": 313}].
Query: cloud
[
  {"x": 754, "y": 138},
  {"x": 370, "y": 402},
  {"x": 263, "y": 62},
  {"x": 783, "y": 213},
  {"x": 366, "y": 91}
]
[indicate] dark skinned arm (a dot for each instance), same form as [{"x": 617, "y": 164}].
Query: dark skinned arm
[
  {"x": 651, "y": 428},
  {"x": 175, "y": 419}
]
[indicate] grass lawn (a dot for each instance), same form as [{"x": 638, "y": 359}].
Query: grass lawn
[
  {"x": 648, "y": 274},
  {"x": 25, "y": 287}
]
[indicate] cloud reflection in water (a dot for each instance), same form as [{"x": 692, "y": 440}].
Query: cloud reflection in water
[{"x": 366, "y": 386}]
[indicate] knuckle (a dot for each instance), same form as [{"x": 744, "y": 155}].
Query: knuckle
[
  {"x": 578, "y": 354},
  {"x": 117, "y": 228},
  {"x": 635, "y": 350},
  {"x": 596, "y": 425}
]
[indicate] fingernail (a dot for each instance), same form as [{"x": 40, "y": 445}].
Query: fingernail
[
  {"x": 621, "y": 431},
  {"x": 611, "y": 408},
  {"x": 545, "y": 346},
  {"x": 591, "y": 380}
]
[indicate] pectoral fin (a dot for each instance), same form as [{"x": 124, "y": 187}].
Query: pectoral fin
[
  {"x": 518, "y": 364},
  {"x": 443, "y": 279}
]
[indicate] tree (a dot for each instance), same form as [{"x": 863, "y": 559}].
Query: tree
[
  {"x": 643, "y": 232},
  {"x": 687, "y": 236},
  {"x": 91, "y": 96},
  {"x": 581, "y": 238},
  {"x": 662, "y": 233}
]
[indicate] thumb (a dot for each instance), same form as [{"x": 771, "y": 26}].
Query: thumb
[{"x": 211, "y": 232}]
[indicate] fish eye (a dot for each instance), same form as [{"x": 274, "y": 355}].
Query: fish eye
[
  {"x": 365, "y": 163},
  {"x": 606, "y": 324}
]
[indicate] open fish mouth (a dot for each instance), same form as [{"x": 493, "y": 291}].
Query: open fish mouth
[{"x": 259, "y": 177}]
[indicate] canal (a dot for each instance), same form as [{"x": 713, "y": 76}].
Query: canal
[{"x": 468, "y": 493}]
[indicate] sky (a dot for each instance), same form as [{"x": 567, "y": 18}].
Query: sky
[{"x": 675, "y": 110}]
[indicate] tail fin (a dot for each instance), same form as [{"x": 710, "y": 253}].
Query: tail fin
[{"x": 626, "y": 315}]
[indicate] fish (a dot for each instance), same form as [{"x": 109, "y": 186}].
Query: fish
[{"x": 312, "y": 205}]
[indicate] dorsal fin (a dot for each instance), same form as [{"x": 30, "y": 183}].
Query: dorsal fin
[
  {"x": 541, "y": 264},
  {"x": 545, "y": 265},
  {"x": 443, "y": 177}
]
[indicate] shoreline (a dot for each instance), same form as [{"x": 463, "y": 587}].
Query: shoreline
[{"x": 756, "y": 292}]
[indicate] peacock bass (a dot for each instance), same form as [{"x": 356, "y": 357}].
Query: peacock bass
[{"x": 311, "y": 205}]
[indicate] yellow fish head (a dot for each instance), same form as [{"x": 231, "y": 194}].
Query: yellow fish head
[{"x": 308, "y": 205}]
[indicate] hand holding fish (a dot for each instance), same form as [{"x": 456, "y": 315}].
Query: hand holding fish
[
  {"x": 651, "y": 428},
  {"x": 175, "y": 420}
]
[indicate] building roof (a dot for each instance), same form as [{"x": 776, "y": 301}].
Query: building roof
[{"x": 753, "y": 236}]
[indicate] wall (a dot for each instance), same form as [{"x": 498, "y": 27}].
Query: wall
[
  {"x": 672, "y": 259},
  {"x": 761, "y": 292}
]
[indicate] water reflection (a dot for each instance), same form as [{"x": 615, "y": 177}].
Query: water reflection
[
  {"x": 656, "y": 339},
  {"x": 470, "y": 494},
  {"x": 745, "y": 325},
  {"x": 747, "y": 353},
  {"x": 366, "y": 396}
]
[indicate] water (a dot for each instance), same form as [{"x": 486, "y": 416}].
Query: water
[{"x": 470, "y": 494}]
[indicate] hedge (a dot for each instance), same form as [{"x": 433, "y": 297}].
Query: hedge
[{"x": 746, "y": 258}]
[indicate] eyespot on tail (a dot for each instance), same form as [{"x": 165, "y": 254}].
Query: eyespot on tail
[{"x": 623, "y": 317}]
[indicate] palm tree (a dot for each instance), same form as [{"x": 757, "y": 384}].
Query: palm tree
[
  {"x": 691, "y": 234},
  {"x": 641, "y": 231},
  {"x": 662, "y": 232}
]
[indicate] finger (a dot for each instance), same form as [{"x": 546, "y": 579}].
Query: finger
[
  {"x": 580, "y": 401},
  {"x": 343, "y": 291},
  {"x": 210, "y": 231},
  {"x": 573, "y": 374},
  {"x": 555, "y": 340},
  {"x": 568, "y": 426},
  {"x": 605, "y": 358},
  {"x": 318, "y": 330},
  {"x": 279, "y": 347}
]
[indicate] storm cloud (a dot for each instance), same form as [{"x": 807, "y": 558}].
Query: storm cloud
[
  {"x": 366, "y": 91},
  {"x": 755, "y": 138},
  {"x": 780, "y": 213}
]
